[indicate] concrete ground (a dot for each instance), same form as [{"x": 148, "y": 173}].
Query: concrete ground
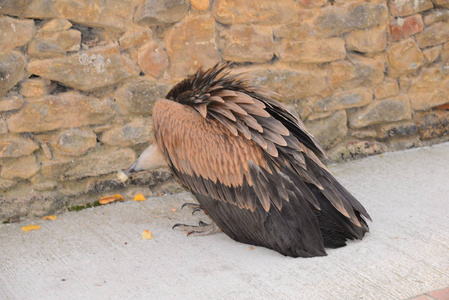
[{"x": 99, "y": 253}]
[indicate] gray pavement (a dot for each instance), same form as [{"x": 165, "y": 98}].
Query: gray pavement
[{"x": 99, "y": 253}]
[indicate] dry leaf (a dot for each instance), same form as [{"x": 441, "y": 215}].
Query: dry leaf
[
  {"x": 122, "y": 176},
  {"x": 110, "y": 199},
  {"x": 139, "y": 197},
  {"x": 51, "y": 217},
  {"x": 251, "y": 248},
  {"x": 30, "y": 227},
  {"x": 173, "y": 209},
  {"x": 147, "y": 235}
]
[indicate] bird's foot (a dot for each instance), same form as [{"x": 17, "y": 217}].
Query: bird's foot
[
  {"x": 194, "y": 206},
  {"x": 201, "y": 230}
]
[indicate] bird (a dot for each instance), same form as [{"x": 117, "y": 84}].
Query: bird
[{"x": 251, "y": 164}]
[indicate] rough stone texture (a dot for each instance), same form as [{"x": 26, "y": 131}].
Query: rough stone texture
[
  {"x": 73, "y": 141},
  {"x": 343, "y": 100},
  {"x": 12, "y": 65},
  {"x": 248, "y": 11},
  {"x": 35, "y": 88},
  {"x": 313, "y": 51},
  {"x": 329, "y": 130},
  {"x": 3, "y": 127},
  {"x": 100, "y": 161},
  {"x": 137, "y": 97},
  {"x": 19, "y": 168},
  {"x": 441, "y": 3},
  {"x": 247, "y": 43},
  {"x": 357, "y": 72},
  {"x": 386, "y": 89},
  {"x": 429, "y": 90},
  {"x": 368, "y": 40},
  {"x": 136, "y": 132},
  {"x": 356, "y": 149},
  {"x": 436, "y": 15},
  {"x": 404, "y": 27},
  {"x": 405, "y": 8},
  {"x": 15, "y": 33},
  {"x": 432, "y": 54},
  {"x": 13, "y": 146},
  {"x": 191, "y": 44},
  {"x": 336, "y": 20},
  {"x": 290, "y": 84},
  {"x": 404, "y": 58},
  {"x": 200, "y": 4},
  {"x": 88, "y": 70},
  {"x": 159, "y": 12},
  {"x": 388, "y": 110},
  {"x": 67, "y": 110},
  {"x": 135, "y": 37},
  {"x": 152, "y": 59},
  {"x": 11, "y": 103},
  {"x": 433, "y": 124},
  {"x": 55, "y": 25},
  {"x": 435, "y": 34},
  {"x": 54, "y": 44},
  {"x": 406, "y": 128}
]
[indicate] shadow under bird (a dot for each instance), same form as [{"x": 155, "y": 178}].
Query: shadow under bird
[{"x": 252, "y": 165}]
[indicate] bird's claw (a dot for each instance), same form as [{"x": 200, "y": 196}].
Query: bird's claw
[
  {"x": 198, "y": 230},
  {"x": 196, "y": 207}
]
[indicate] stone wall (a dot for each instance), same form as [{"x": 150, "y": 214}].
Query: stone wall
[{"x": 78, "y": 79}]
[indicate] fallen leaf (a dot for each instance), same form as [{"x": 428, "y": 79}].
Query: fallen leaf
[
  {"x": 147, "y": 235},
  {"x": 173, "y": 209},
  {"x": 51, "y": 217},
  {"x": 122, "y": 176},
  {"x": 30, "y": 227},
  {"x": 139, "y": 197},
  {"x": 251, "y": 248},
  {"x": 110, "y": 199}
]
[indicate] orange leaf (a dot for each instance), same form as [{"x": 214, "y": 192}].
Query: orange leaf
[
  {"x": 51, "y": 217},
  {"x": 110, "y": 199},
  {"x": 30, "y": 227},
  {"x": 139, "y": 197},
  {"x": 147, "y": 235}
]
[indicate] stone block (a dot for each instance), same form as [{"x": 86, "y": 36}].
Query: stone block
[
  {"x": 436, "y": 15},
  {"x": 445, "y": 55},
  {"x": 152, "y": 59},
  {"x": 53, "y": 44},
  {"x": 247, "y": 43},
  {"x": 138, "y": 96},
  {"x": 66, "y": 110},
  {"x": 311, "y": 3},
  {"x": 12, "y": 70},
  {"x": 358, "y": 71},
  {"x": 253, "y": 11},
  {"x": 296, "y": 31},
  {"x": 19, "y": 168},
  {"x": 432, "y": 124},
  {"x": 433, "y": 35},
  {"x": 430, "y": 89},
  {"x": 88, "y": 70},
  {"x": 313, "y": 50},
  {"x": 73, "y": 141},
  {"x": 343, "y": 100},
  {"x": 367, "y": 41},
  {"x": 329, "y": 130},
  {"x": 356, "y": 149},
  {"x": 290, "y": 84},
  {"x": 407, "y": 128},
  {"x": 137, "y": 132},
  {"x": 11, "y": 103},
  {"x": 404, "y": 8},
  {"x": 388, "y": 110},
  {"x": 191, "y": 44},
  {"x": 404, "y": 27},
  {"x": 336, "y": 20},
  {"x": 159, "y": 12},
  {"x": 386, "y": 89},
  {"x": 39, "y": 9},
  {"x": 14, "y": 146},
  {"x": 3, "y": 127},
  {"x": 15, "y": 33},
  {"x": 33, "y": 88},
  {"x": 55, "y": 25},
  {"x": 404, "y": 58},
  {"x": 135, "y": 37}
]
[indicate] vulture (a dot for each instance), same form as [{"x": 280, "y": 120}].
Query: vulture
[{"x": 252, "y": 166}]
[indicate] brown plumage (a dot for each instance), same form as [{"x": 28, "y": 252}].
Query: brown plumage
[{"x": 253, "y": 166}]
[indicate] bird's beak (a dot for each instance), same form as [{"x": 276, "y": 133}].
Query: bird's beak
[{"x": 151, "y": 158}]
